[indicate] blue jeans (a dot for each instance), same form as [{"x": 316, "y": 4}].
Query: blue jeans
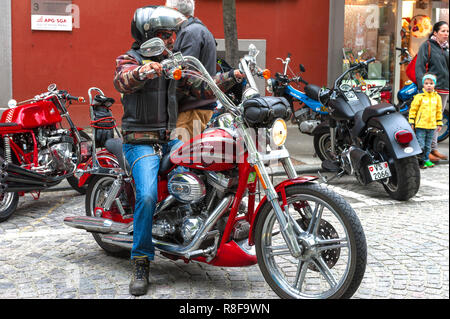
[
  {"x": 145, "y": 167},
  {"x": 425, "y": 138}
]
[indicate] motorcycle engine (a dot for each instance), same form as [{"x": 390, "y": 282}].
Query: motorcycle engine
[
  {"x": 187, "y": 187},
  {"x": 308, "y": 126},
  {"x": 195, "y": 196},
  {"x": 58, "y": 152}
]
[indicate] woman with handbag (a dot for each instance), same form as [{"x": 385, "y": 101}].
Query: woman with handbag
[{"x": 433, "y": 57}]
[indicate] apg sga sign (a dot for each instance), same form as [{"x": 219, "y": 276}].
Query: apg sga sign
[{"x": 54, "y": 15}]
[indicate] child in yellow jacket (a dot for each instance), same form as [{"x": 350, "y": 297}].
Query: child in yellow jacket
[{"x": 425, "y": 116}]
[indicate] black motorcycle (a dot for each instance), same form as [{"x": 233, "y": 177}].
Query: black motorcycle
[{"x": 372, "y": 142}]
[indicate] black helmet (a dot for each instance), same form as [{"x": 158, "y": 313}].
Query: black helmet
[{"x": 148, "y": 20}]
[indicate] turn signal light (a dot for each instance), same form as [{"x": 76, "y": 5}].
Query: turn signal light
[
  {"x": 403, "y": 137},
  {"x": 266, "y": 74},
  {"x": 177, "y": 74}
]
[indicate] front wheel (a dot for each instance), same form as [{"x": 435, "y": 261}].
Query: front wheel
[
  {"x": 334, "y": 249},
  {"x": 322, "y": 145},
  {"x": 8, "y": 205}
]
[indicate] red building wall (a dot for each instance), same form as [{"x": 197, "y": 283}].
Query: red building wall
[{"x": 85, "y": 57}]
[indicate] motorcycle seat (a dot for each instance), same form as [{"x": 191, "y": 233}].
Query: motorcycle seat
[
  {"x": 114, "y": 145},
  {"x": 377, "y": 110}
]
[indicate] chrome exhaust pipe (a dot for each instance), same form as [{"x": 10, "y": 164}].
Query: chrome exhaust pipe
[
  {"x": 126, "y": 241},
  {"x": 6, "y": 178},
  {"x": 22, "y": 172},
  {"x": 98, "y": 224}
]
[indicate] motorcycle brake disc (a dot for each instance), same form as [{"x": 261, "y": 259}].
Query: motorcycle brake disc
[{"x": 325, "y": 231}]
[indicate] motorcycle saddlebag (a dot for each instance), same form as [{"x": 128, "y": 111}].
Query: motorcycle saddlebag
[
  {"x": 103, "y": 121},
  {"x": 263, "y": 111}
]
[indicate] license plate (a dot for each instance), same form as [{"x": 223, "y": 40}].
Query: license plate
[{"x": 379, "y": 171}]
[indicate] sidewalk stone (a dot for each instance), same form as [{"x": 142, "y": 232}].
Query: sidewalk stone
[{"x": 408, "y": 253}]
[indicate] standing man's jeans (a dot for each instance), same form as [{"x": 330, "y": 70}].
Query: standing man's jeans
[
  {"x": 425, "y": 137},
  {"x": 145, "y": 166},
  {"x": 434, "y": 143}
]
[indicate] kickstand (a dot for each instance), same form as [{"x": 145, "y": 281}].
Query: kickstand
[{"x": 326, "y": 180}]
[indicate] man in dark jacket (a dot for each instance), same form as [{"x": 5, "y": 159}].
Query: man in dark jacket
[
  {"x": 150, "y": 113},
  {"x": 196, "y": 40}
]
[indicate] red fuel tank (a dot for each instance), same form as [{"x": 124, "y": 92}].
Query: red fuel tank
[
  {"x": 214, "y": 150},
  {"x": 29, "y": 116}
]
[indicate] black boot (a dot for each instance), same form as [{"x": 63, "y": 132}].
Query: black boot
[{"x": 139, "y": 279}]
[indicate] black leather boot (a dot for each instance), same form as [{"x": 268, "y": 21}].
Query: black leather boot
[{"x": 139, "y": 279}]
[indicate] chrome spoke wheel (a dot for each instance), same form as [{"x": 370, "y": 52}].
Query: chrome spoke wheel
[{"x": 327, "y": 235}]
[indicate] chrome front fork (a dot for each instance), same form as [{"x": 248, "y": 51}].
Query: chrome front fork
[{"x": 287, "y": 224}]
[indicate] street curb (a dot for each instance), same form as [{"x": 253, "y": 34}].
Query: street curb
[{"x": 314, "y": 169}]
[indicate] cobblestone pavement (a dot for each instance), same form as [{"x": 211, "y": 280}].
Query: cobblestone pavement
[{"x": 408, "y": 251}]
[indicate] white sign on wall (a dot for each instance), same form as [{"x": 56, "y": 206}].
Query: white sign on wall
[
  {"x": 51, "y": 22},
  {"x": 54, "y": 15}
]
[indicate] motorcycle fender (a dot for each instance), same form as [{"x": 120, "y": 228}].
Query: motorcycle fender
[
  {"x": 280, "y": 189},
  {"x": 322, "y": 127},
  {"x": 105, "y": 159},
  {"x": 391, "y": 124}
]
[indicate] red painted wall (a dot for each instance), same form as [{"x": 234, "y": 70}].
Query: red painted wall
[{"x": 85, "y": 57}]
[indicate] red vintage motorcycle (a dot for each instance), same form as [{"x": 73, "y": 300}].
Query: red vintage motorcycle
[
  {"x": 36, "y": 152},
  {"x": 307, "y": 240}
]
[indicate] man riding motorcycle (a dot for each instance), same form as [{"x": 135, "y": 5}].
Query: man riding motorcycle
[
  {"x": 150, "y": 114},
  {"x": 194, "y": 39}
]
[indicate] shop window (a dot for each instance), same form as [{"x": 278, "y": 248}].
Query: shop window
[
  {"x": 369, "y": 31},
  {"x": 418, "y": 18}
]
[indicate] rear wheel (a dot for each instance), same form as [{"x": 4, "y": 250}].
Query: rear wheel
[
  {"x": 405, "y": 180},
  {"x": 334, "y": 249},
  {"x": 95, "y": 196},
  {"x": 443, "y": 134}
]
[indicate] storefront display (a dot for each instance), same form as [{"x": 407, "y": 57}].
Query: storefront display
[
  {"x": 418, "y": 18},
  {"x": 374, "y": 28},
  {"x": 369, "y": 31}
]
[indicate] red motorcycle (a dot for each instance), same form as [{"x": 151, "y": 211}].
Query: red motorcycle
[
  {"x": 36, "y": 152},
  {"x": 307, "y": 240}
]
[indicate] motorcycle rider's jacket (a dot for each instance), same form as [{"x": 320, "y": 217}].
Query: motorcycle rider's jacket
[
  {"x": 151, "y": 105},
  {"x": 426, "y": 110}
]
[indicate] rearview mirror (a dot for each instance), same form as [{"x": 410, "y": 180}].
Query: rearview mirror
[
  {"x": 51, "y": 87},
  {"x": 152, "y": 47}
]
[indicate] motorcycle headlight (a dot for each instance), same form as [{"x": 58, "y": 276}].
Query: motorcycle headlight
[
  {"x": 269, "y": 86},
  {"x": 278, "y": 133}
]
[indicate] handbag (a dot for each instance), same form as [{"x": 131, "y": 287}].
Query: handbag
[{"x": 411, "y": 68}]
